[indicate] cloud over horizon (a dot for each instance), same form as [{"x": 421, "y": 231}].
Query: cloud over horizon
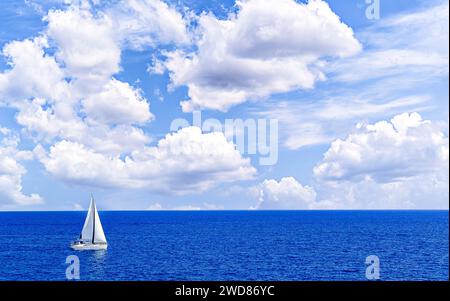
[
  {"x": 77, "y": 104},
  {"x": 401, "y": 163},
  {"x": 186, "y": 161}
]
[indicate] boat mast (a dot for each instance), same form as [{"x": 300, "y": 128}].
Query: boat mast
[{"x": 93, "y": 224}]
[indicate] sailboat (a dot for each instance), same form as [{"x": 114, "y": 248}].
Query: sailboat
[{"x": 92, "y": 236}]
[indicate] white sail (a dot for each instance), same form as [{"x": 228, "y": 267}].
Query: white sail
[
  {"x": 88, "y": 228},
  {"x": 92, "y": 229},
  {"x": 99, "y": 235}
]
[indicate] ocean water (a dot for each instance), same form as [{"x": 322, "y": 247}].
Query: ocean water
[{"x": 229, "y": 245}]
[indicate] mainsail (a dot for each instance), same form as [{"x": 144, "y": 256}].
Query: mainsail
[{"x": 92, "y": 229}]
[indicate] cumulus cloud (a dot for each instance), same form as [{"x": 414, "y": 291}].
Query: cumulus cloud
[
  {"x": 32, "y": 72},
  {"x": 404, "y": 56},
  {"x": 403, "y": 163},
  {"x": 387, "y": 151},
  {"x": 287, "y": 193},
  {"x": 11, "y": 171},
  {"x": 72, "y": 94},
  {"x": 45, "y": 123},
  {"x": 90, "y": 58},
  {"x": 398, "y": 164},
  {"x": 117, "y": 103},
  {"x": 64, "y": 86},
  {"x": 183, "y": 162},
  {"x": 87, "y": 123},
  {"x": 266, "y": 47}
]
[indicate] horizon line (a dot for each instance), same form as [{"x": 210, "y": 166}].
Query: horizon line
[{"x": 224, "y": 210}]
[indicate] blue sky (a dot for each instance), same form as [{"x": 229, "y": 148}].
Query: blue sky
[{"x": 89, "y": 89}]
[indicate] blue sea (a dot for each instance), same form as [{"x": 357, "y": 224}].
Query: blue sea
[{"x": 229, "y": 245}]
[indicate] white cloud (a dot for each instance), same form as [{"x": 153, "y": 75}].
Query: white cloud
[
  {"x": 209, "y": 206},
  {"x": 424, "y": 191},
  {"x": 404, "y": 56},
  {"x": 46, "y": 123},
  {"x": 32, "y": 72},
  {"x": 204, "y": 206},
  {"x": 155, "y": 206},
  {"x": 266, "y": 47},
  {"x": 183, "y": 162},
  {"x": 401, "y": 164},
  {"x": 11, "y": 171},
  {"x": 425, "y": 28},
  {"x": 90, "y": 58},
  {"x": 413, "y": 44},
  {"x": 146, "y": 23},
  {"x": 77, "y": 207},
  {"x": 398, "y": 164},
  {"x": 92, "y": 121},
  {"x": 384, "y": 63},
  {"x": 405, "y": 147},
  {"x": 288, "y": 193},
  {"x": 73, "y": 95},
  {"x": 63, "y": 85},
  {"x": 187, "y": 208},
  {"x": 117, "y": 103},
  {"x": 321, "y": 121}
]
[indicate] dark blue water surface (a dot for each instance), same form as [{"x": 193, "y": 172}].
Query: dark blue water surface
[{"x": 229, "y": 245}]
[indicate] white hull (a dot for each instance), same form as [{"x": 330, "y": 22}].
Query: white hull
[{"x": 89, "y": 246}]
